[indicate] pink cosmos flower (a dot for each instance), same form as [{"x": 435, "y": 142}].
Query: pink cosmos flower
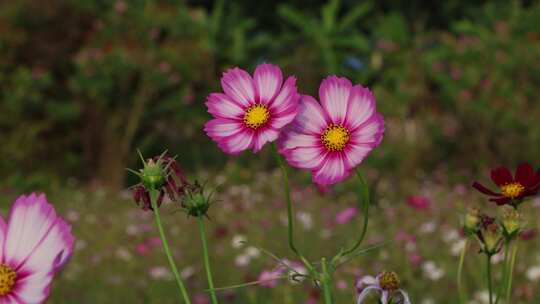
[
  {"x": 34, "y": 245},
  {"x": 346, "y": 215},
  {"x": 332, "y": 137},
  {"x": 419, "y": 202},
  {"x": 253, "y": 110}
]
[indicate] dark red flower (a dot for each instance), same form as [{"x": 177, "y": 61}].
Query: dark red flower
[{"x": 512, "y": 189}]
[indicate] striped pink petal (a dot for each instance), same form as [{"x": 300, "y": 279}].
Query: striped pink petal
[
  {"x": 222, "y": 106},
  {"x": 238, "y": 85},
  {"x": 267, "y": 79},
  {"x": 361, "y": 106},
  {"x": 332, "y": 171},
  {"x": 334, "y": 93}
]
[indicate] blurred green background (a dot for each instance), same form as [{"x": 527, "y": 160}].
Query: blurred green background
[{"x": 83, "y": 83}]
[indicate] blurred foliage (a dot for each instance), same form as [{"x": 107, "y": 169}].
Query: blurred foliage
[{"x": 84, "y": 83}]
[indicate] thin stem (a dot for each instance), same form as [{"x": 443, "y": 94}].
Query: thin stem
[
  {"x": 202, "y": 231},
  {"x": 460, "y": 271},
  {"x": 326, "y": 282},
  {"x": 364, "y": 196},
  {"x": 290, "y": 217},
  {"x": 153, "y": 201},
  {"x": 502, "y": 286},
  {"x": 510, "y": 273},
  {"x": 290, "y": 212},
  {"x": 490, "y": 289}
]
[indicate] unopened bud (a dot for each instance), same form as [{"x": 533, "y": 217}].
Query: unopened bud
[
  {"x": 511, "y": 221},
  {"x": 472, "y": 218},
  {"x": 492, "y": 238}
]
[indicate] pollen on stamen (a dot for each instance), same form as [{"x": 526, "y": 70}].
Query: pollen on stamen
[
  {"x": 256, "y": 116},
  {"x": 512, "y": 190},
  {"x": 335, "y": 138},
  {"x": 7, "y": 279}
]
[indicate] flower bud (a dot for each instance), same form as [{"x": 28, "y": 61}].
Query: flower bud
[
  {"x": 195, "y": 201},
  {"x": 492, "y": 238},
  {"x": 471, "y": 221},
  {"x": 153, "y": 175},
  {"x": 511, "y": 221}
]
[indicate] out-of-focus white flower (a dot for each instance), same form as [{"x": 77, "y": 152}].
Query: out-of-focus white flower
[
  {"x": 431, "y": 271},
  {"x": 123, "y": 254},
  {"x": 481, "y": 297},
  {"x": 80, "y": 244},
  {"x": 187, "y": 272},
  {"x": 428, "y": 301},
  {"x": 428, "y": 227},
  {"x": 238, "y": 241},
  {"x": 533, "y": 273},
  {"x": 457, "y": 247},
  {"x": 450, "y": 235},
  {"x": 242, "y": 260},
  {"x": 253, "y": 252},
  {"x": 305, "y": 219},
  {"x": 160, "y": 273}
]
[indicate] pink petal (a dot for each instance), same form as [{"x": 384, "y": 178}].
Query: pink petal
[
  {"x": 36, "y": 237},
  {"x": 311, "y": 118},
  {"x": 334, "y": 93},
  {"x": 222, "y": 106},
  {"x": 33, "y": 288},
  {"x": 238, "y": 142},
  {"x": 238, "y": 85},
  {"x": 280, "y": 120},
  {"x": 292, "y": 139},
  {"x": 332, "y": 171},
  {"x": 309, "y": 158},
  {"x": 262, "y": 137},
  {"x": 267, "y": 79},
  {"x": 287, "y": 97},
  {"x": 370, "y": 132},
  {"x": 361, "y": 106},
  {"x": 220, "y": 128},
  {"x": 3, "y": 228},
  {"x": 355, "y": 154}
]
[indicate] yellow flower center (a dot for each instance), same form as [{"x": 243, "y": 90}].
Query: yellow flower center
[
  {"x": 256, "y": 116},
  {"x": 512, "y": 190},
  {"x": 335, "y": 138},
  {"x": 389, "y": 280},
  {"x": 7, "y": 279}
]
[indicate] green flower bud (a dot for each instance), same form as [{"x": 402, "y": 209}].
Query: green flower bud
[
  {"x": 153, "y": 175},
  {"x": 511, "y": 221},
  {"x": 471, "y": 221},
  {"x": 492, "y": 238},
  {"x": 195, "y": 201}
]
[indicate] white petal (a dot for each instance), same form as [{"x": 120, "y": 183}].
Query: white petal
[{"x": 362, "y": 296}]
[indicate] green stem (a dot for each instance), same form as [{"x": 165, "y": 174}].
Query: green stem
[
  {"x": 505, "y": 272},
  {"x": 460, "y": 271},
  {"x": 326, "y": 282},
  {"x": 364, "y": 196},
  {"x": 286, "y": 186},
  {"x": 510, "y": 273},
  {"x": 153, "y": 201},
  {"x": 488, "y": 266},
  {"x": 202, "y": 231},
  {"x": 290, "y": 212}
]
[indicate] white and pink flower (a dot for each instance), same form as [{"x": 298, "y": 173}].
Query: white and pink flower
[
  {"x": 34, "y": 245},
  {"x": 252, "y": 111},
  {"x": 334, "y": 136}
]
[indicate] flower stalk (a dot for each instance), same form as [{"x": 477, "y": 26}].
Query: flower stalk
[
  {"x": 488, "y": 274},
  {"x": 207, "y": 267},
  {"x": 153, "y": 201},
  {"x": 460, "y": 273},
  {"x": 326, "y": 283}
]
